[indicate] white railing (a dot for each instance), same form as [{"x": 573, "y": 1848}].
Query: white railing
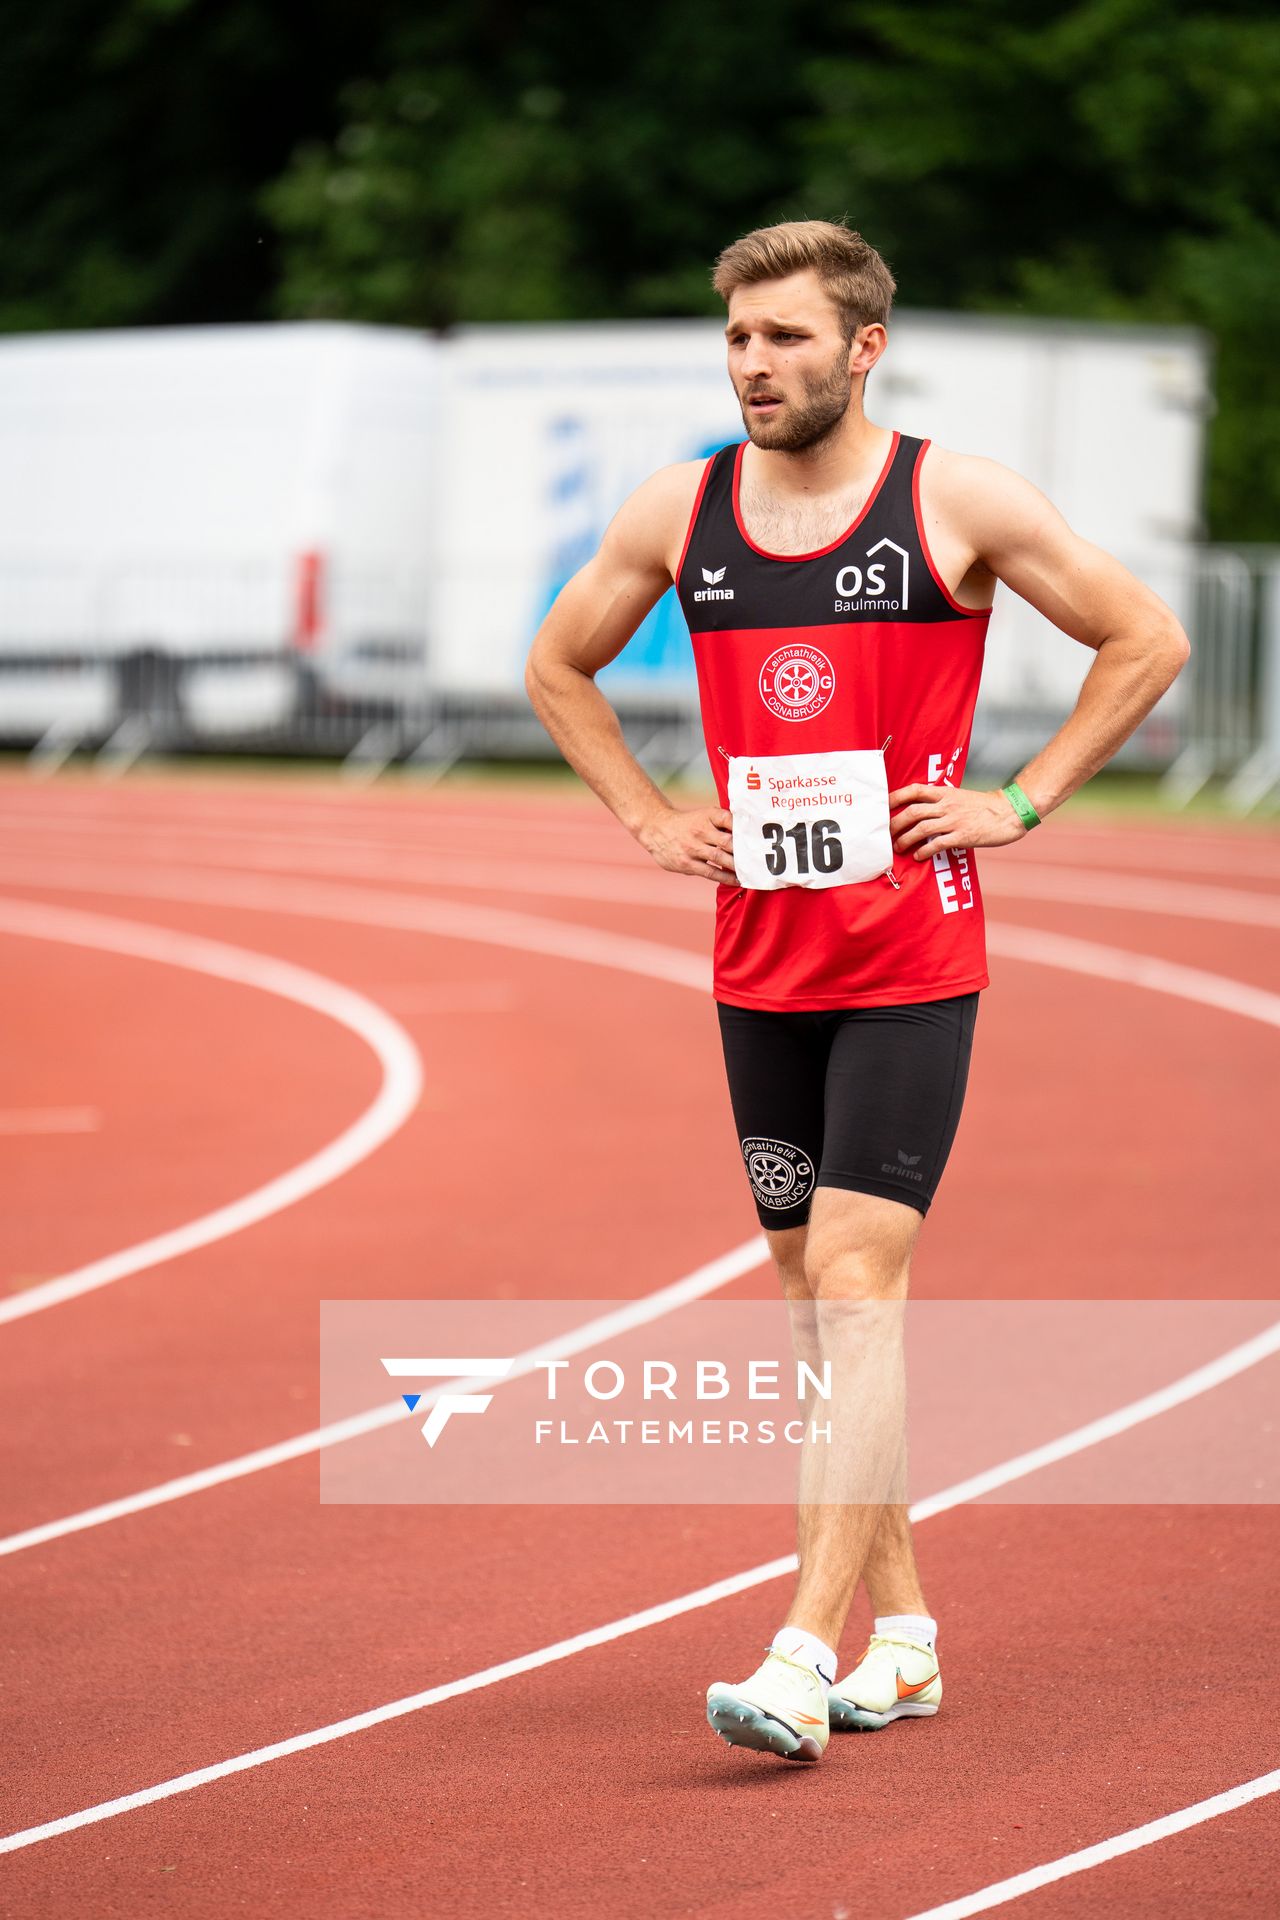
[{"x": 170, "y": 657}]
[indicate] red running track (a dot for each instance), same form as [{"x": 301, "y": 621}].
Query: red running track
[{"x": 1105, "y": 1666}]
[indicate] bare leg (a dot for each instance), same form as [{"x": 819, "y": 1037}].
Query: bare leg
[
  {"x": 849, "y": 1269},
  {"x": 890, "y": 1574}
]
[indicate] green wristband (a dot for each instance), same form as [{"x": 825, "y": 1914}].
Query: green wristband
[{"x": 1021, "y": 805}]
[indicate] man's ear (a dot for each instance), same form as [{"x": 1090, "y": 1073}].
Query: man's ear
[{"x": 866, "y": 347}]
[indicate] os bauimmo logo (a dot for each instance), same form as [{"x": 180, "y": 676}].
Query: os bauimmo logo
[{"x": 881, "y": 586}]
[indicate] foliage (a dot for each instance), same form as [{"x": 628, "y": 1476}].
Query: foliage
[{"x": 183, "y": 160}]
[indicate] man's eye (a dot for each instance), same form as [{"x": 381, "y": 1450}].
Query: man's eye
[{"x": 786, "y": 336}]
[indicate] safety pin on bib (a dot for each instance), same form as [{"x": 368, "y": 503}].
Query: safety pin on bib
[{"x": 888, "y": 873}]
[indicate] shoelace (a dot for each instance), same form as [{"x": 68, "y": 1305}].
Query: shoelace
[{"x": 894, "y": 1640}]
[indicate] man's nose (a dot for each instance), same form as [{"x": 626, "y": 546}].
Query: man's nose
[{"x": 755, "y": 360}]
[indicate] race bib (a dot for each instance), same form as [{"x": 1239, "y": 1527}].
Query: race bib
[{"x": 809, "y": 819}]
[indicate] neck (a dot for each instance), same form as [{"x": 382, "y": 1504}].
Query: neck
[{"x": 854, "y": 449}]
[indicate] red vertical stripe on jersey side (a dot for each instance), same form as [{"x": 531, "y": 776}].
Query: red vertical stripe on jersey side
[
  {"x": 693, "y": 517},
  {"x": 979, "y": 613},
  {"x": 818, "y": 552}
]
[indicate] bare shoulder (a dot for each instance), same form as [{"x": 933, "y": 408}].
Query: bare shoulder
[
  {"x": 981, "y": 499},
  {"x": 649, "y": 527}
]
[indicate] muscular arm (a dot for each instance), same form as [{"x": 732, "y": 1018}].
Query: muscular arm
[
  {"x": 1000, "y": 523},
  {"x": 588, "y": 626}
]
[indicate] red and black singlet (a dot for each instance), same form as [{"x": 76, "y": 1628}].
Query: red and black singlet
[{"x": 844, "y": 648}]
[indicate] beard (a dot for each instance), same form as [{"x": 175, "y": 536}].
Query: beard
[{"x": 803, "y": 423}]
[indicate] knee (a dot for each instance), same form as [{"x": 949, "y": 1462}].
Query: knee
[
  {"x": 841, "y": 1269},
  {"x": 788, "y": 1250}
]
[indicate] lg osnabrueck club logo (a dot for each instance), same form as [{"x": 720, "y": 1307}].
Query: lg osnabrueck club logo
[{"x": 797, "y": 682}]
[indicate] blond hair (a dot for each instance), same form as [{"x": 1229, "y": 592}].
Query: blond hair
[{"x": 849, "y": 269}]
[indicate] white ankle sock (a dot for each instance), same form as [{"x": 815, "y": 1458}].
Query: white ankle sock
[
  {"x": 916, "y": 1626},
  {"x": 809, "y": 1650}
]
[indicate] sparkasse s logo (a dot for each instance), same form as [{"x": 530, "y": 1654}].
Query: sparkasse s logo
[{"x": 713, "y": 590}]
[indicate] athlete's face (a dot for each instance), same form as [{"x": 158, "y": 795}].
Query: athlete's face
[{"x": 791, "y": 366}]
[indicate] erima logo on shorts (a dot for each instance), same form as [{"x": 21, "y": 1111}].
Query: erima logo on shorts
[
  {"x": 906, "y": 1161},
  {"x": 780, "y": 1174},
  {"x": 713, "y": 590}
]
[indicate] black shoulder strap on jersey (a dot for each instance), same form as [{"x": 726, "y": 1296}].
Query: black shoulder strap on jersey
[{"x": 895, "y": 496}]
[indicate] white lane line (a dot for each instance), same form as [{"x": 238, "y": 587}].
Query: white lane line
[
  {"x": 624, "y": 884},
  {"x": 202, "y": 841},
  {"x": 572, "y": 942},
  {"x": 508, "y": 825},
  {"x": 394, "y": 1102},
  {"x": 1236, "y": 1360},
  {"x": 694, "y": 1286},
  {"x": 50, "y": 1119},
  {"x": 565, "y": 879},
  {"x": 1075, "y": 838},
  {"x": 1132, "y": 893},
  {"x": 1048, "y": 949},
  {"x": 1002, "y": 1891},
  {"x": 499, "y": 926},
  {"x": 1224, "y": 1368},
  {"x": 1135, "y": 970},
  {"x": 628, "y": 1315},
  {"x": 372, "y": 907},
  {"x": 396, "y": 1709}
]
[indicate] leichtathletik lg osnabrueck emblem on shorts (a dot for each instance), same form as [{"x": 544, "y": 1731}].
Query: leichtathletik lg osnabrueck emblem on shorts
[
  {"x": 797, "y": 682},
  {"x": 780, "y": 1174}
]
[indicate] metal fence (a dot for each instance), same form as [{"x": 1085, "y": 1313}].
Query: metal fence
[{"x": 84, "y": 669}]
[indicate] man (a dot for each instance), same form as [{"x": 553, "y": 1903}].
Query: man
[{"x": 837, "y": 580}]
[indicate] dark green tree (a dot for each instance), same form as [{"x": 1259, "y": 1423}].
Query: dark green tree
[
  {"x": 185, "y": 160},
  {"x": 135, "y": 139},
  {"x": 1117, "y": 159},
  {"x": 549, "y": 163}
]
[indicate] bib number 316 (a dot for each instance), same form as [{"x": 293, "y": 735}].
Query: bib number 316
[
  {"x": 803, "y": 848},
  {"x": 809, "y": 819}
]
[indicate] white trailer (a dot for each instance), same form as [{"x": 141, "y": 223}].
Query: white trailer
[
  {"x": 551, "y": 426},
  {"x": 253, "y": 505},
  {"x": 382, "y": 519}
]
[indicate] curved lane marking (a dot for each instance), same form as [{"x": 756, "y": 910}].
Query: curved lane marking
[
  {"x": 1224, "y": 1368},
  {"x": 498, "y": 926},
  {"x": 395, "y": 1100},
  {"x": 1054, "y": 950}
]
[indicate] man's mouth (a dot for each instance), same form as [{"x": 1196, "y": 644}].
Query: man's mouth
[{"x": 764, "y": 402}]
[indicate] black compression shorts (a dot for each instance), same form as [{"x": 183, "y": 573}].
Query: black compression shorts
[{"x": 864, "y": 1098}]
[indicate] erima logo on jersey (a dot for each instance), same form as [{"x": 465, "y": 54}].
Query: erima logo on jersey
[
  {"x": 860, "y": 589},
  {"x": 713, "y": 590}
]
